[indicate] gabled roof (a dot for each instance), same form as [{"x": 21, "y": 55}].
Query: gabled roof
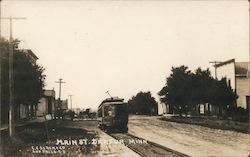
[{"x": 241, "y": 68}]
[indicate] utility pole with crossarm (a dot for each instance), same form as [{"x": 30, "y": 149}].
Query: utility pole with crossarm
[
  {"x": 0, "y": 79},
  {"x": 215, "y": 67},
  {"x": 11, "y": 80},
  {"x": 70, "y": 96},
  {"x": 60, "y": 83}
]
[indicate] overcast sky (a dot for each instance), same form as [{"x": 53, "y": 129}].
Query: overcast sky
[{"x": 126, "y": 46}]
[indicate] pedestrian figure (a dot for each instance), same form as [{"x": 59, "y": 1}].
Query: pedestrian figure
[{"x": 72, "y": 115}]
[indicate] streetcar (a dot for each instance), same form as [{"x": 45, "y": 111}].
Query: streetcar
[{"x": 113, "y": 115}]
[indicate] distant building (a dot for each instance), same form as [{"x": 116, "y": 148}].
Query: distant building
[
  {"x": 47, "y": 103},
  {"x": 62, "y": 104},
  {"x": 237, "y": 74},
  {"x": 77, "y": 110},
  {"x": 65, "y": 104}
]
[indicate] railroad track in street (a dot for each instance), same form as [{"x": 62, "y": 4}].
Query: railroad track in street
[{"x": 144, "y": 147}]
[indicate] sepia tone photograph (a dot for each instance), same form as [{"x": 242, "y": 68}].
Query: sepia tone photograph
[{"x": 124, "y": 78}]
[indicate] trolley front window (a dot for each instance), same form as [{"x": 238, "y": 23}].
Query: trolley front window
[
  {"x": 121, "y": 110},
  {"x": 108, "y": 111}
]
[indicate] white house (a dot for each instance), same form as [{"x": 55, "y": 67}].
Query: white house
[{"x": 237, "y": 74}]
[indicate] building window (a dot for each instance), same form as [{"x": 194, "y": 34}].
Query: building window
[{"x": 229, "y": 83}]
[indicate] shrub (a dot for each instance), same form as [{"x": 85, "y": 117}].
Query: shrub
[
  {"x": 32, "y": 136},
  {"x": 241, "y": 114},
  {"x": 13, "y": 145}
]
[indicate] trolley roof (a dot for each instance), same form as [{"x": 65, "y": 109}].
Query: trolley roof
[{"x": 112, "y": 100}]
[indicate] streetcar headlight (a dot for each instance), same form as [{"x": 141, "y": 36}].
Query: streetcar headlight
[{"x": 110, "y": 113}]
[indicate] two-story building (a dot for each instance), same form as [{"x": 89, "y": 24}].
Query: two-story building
[
  {"x": 24, "y": 111},
  {"x": 237, "y": 74}
]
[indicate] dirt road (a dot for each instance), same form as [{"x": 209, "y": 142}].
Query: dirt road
[
  {"x": 106, "y": 149},
  {"x": 189, "y": 139}
]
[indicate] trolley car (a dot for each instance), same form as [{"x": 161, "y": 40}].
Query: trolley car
[{"x": 113, "y": 115}]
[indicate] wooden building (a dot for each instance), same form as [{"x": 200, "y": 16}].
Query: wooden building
[{"x": 237, "y": 74}]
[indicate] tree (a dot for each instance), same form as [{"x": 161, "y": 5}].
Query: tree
[
  {"x": 143, "y": 103},
  {"x": 176, "y": 91},
  {"x": 200, "y": 84},
  {"x": 4, "y": 48},
  {"x": 28, "y": 78},
  {"x": 221, "y": 95},
  {"x": 185, "y": 90}
]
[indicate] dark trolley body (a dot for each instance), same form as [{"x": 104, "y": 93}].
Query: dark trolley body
[{"x": 113, "y": 115}]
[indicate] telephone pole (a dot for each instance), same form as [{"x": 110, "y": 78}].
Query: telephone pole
[
  {"x": 60, "y": 83},
  {"x": 0, "y": 79},
  {"x": 0, "y": 18},
  {"x": 11, "y": 80},
  {"x": 70, "y": 96},
  {"x": 215, "y": 67}
]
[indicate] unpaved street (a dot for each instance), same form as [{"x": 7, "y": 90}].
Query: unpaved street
[
  {"x": 189, "y": 139},
  {"x": 106, "y": 150}
]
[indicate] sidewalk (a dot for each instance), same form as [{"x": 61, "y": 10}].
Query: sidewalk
[
  {"x": 38, "y": 119},
  {"x": 208, "y": 121}
]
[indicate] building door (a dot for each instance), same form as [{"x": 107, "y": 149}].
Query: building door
[
  {"x": 49, "y": 105},
  {"x": 248, "y": 102}
]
